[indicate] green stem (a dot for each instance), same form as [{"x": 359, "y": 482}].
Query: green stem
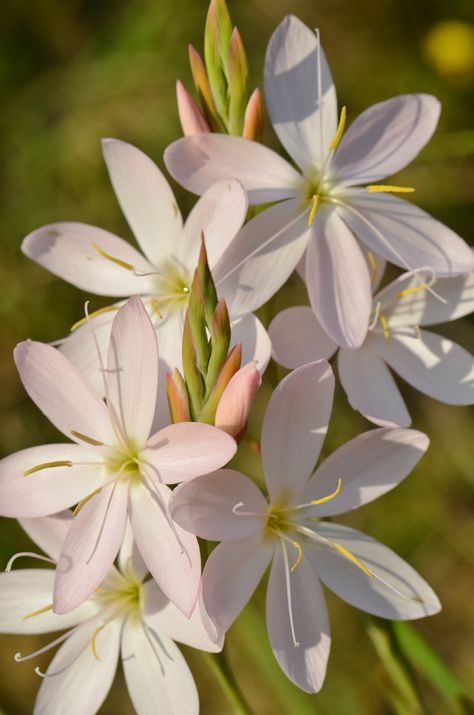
[{"x": 217, "y": 664}]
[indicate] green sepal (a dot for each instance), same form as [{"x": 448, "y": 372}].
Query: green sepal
[
  {"x": 192, "y": 374},
  {"x": 203, "y": 88},
  {"x": 220, "y": 342}
]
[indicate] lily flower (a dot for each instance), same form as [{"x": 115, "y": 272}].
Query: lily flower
[
  {"x": 99, "y": 262},
  {"x": 432, "y": 364},
  {"x": 128, "y": 617},
  {"x": 332, "y": 200},
  {"x": 114, "y": 469},
  {"x": 288, "y": 529}
]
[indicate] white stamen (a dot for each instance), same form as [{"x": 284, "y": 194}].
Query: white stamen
[
  {"x": 30, "y": 555},
  {"x": 288, "y": 593},
  {"x": 19, "y": 658},
  {"x": 102, "y": 526}
]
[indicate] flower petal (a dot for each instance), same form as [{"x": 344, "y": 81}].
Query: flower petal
[
  {"x": 90, "y": 547},
  {"x": 236, "y": 401},
  {"x": 385, "y": 138},
  {"x": 198, "y": 161},
  {"x": 231, "y": 575},
  {"x": 170, "y": 553},
  {"x": 163, "y": 617},
  {"x": 294, "y": 427},
  {"x": 256, "y": 345},
  {"x": 298, "y": 338},
  {"x": 132, "y": 371},
  {"x": 262, "y": 257},
  {"x": 145, "y": 198},
  {"x": 129, "y": 560},
  {"x": 370, "y": 387},
  {"x": 395, "y": 590},
  {"x": 25, "y": 591},
  {"x": 305, "y": 663},
  {"x": 404, "y": 234},
  {"x": 90, "y": 258},
  {"x": 158, "y": 678},
  {"x": 338, "y": 281},
  {"x": 368, "y": 466},
  {"x": 61, "y": 393},
  {"x": 293, "y": 67},
  {"x": 47, "y": 490},
  {"x": 49, "y": 532},
  {"x": 83, "y": 682},
  {"x": 218, "y": 215},
  {"x": 186, "y": 450},
  {"x": 432, "y": 364},
  {"x": 205, "y": 506}
]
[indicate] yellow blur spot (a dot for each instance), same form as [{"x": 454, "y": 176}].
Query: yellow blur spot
[
  {"x": 387, "y": 189},
  {"x": 449, "y": 48},
  {"x": 38, "y": 612},
  {"x": 323, "y": 500},
  {"x": 314, "y": 208},
  {"x": 48, "y": 465},
  {"x": 373, "y": 265},
  {"x": 415, "y": 289},
  {"x": 385, "y": 328},
  {"x": 349, "y": 555},
  {"x": 154, "y": 305},
  {"x": 340, "y": 129}
]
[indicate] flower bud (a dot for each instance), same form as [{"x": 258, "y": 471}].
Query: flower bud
[
  {"x": 253, "y": 120},
  {"x": 234, "y": 406},
  {"x": 190, "y": 116}
]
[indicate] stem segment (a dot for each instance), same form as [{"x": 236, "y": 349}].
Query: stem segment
[{"x": 218, "y": 665}]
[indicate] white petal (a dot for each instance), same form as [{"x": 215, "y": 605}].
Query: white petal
[
  {"x": 75, "y": 252},
  {"x": 298, "y": 338},
  {"x": 218, "y": 215},
  {"x": 83, "y": 682},
  {"x": 90, "y": 547},
  {"x": 293, "y": 64},
  {"x": 198, "y": 161},
  {"x": 205, "y": 506},
  {"x": 158, "y": 678},
  {"x": 395, "y": 591},
  {"x": 170, "y": 553},
  {"x": 145, "y": 198},
  {"x": 49, "y": 532},
  {"x": 262, "y": 257},
  {"x": 25, "y": 591},
  {"x": 385, "y": 138},
  {"x": 163, "y": 616},
  {"x": 129, "y": 560},
  {"x": 305, "y": 663},
  {"x": 404, "y": 234},
  {"x": 294, "y": 428},
  {"x": 432, "y": 364},
  {"x": 256, "y": 345},
  {"x": 231, "y": 575},
  {"x": 368, "y": 466},
  {"x": 370, "y": 387},
  {"x": 338, "y": 280}
]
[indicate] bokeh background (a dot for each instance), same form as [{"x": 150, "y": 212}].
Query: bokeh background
[{"x": 73, "y": 71}]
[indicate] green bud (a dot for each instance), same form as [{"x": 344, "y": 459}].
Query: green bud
[
  {"x": 237, "y": 76},
  {"x": 220, "y": 341},
  {"x": 227, "y": 371},
  {"x": 203, "y": 88},
  {"x": 215, "y": 64}
]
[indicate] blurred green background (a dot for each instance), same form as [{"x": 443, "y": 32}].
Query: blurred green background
[{"x": 73, "y": 71}]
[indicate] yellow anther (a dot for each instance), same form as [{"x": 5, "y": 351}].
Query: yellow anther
[
  {"x": 83, "y": 321},
  {"x": 154, "y": 305},
  {"x": 314, "y": 208},
  {"x": 385, "y": 328},
  {"x": 93, "y": 639},
  {"x": 415, "y": 289},
  {"x": 297, "y": 546},
  {"x": 350, "y": 556},
  {"x": 323, "y": 500},
  {"x": 84, "y": 501},
  {"x": 340, "y": 129},
  {"x": 117, "y": 261},
  {"x": 373, "y": 264},
  {"x": 85, "y": 438},
  {"x": 38, "y": 612},
  {"x": 48, "y": 465},
  {"x": 382, "y": 188}
]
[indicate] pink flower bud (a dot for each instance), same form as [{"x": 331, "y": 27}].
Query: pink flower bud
[
  {"x": 191, "y": 118},
  {"x": 253, "y": 120},
  {"x": 234, "y": 406}
]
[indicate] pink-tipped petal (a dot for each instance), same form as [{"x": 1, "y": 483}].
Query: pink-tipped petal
[
  {"x": 186, "y": 450},
  {"x": 249, "y": 331},
  {"x": 49, "y": 532},
  {"x": 295, "y": 426},
  {"x": 170, "y": 553},
  {"x": 294, "y": 66},
  {"x": 303, "y": 662},
  {"x": 234, "y": 406},
  {"x": 338, "y": 280},
  {"x": 145, "y": 198},
  {"x": 132, "y": 370},
  {"x": 209, "y": 506},
  {"x": 61, "y": 393},
  {"x": 366, "y": 467},
  {"x": 199, "y": 161},
  {"x": 191, "y": 118},
  {"x": 298, "y": 338},
  {"x": 385, "y": 138},
  {"x": 90, "y": 547},
  {"x": 90, "y": 258}
]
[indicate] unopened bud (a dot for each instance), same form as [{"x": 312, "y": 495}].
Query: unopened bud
[
  {"x": 253, "y": 120},
  {"x": 234, "y": 406},
  {"x": 177, "y": 397},
  {"x": 203, "y": 88},
  {"x": 190, "y": 116},
  {"x": 237, "y": 76}
]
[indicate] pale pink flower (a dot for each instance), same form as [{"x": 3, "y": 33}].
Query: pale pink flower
[
  {"x": 323, "y": 206},
  {"x": 125, "y": 618},
  {"x": 115, "y": 468},
  {"x": 99, "y": 262},
  {"x": 191, "y": 118},
  {"x": 234, "y": 406},
  {"x": 429, "y": 362},
  {"x": 288, "y": 529}
]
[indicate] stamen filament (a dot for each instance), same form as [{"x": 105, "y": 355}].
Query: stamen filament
[
  {"x": 154, "y": 306},
  {"x": 45, "y": 609},
  {"x": 350, "y": 556},
  {"x": 373, "y": 264},
  {"x": 84, "y": 501},
  {"x": 288, "y": 593},
  {"x": 117, "y": 261},
  {"x": 85, "y": 438},
  {"x": 19, "y": 658},
  {"x": 48, "y": 465},
  {"x": 31, "y": 555},
  {"x": 385, "y": 328},
  {"x": 95, "y": 313},
  {"x": 334, "y": 494},
  {"x": 93, "y": 644},
  {"x": 314, "y": 208},
  {"x": 386, "y": 189},
  {"x": 340, "y": 130}
]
